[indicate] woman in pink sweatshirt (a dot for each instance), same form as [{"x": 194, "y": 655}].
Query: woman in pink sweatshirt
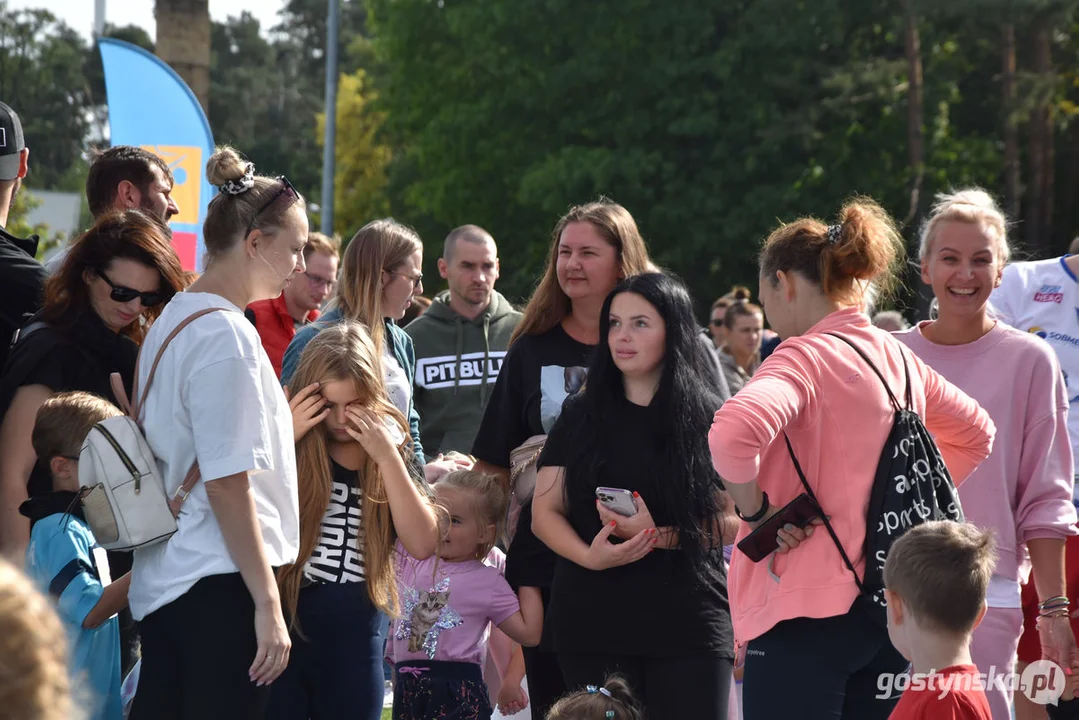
[
  {"x": 794, "y": 609},
  {"x": 1023, "y": 492}
]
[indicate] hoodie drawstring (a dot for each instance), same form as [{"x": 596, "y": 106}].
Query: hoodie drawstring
[
  {"x": 460, "y": 349},
  {"x": 486, "y": 358}
]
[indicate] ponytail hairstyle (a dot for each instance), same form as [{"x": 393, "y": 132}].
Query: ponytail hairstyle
[
  {"x": 970, "y": 205},
  {"x": 549, "y": 304},
  {"x": 344, "y": 351},
  {"x": 862, "y": 249},
  {"x": 488, "y": 500},
  {"x": 613, "y": 700}
]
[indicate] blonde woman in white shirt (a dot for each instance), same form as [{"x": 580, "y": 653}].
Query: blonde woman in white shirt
[{"x": 213, "y": 633}]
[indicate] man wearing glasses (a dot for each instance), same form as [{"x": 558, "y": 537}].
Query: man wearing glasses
[{"x": 277, "y": 320}]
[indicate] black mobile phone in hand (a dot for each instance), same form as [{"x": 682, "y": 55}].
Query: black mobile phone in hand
[{"x": 763, "y": 541}]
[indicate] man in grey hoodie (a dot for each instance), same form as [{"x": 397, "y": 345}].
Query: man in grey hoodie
[{"x": 460, "y": 342}]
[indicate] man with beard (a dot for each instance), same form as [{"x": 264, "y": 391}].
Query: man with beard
[
  {"x": 21, "y": 276},
  {"x": 460, "y": 342},
  {"x": 126, "y": 178}
]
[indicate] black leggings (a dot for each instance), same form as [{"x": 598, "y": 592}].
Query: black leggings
[
  {"x": 667, "y": 687},
  {"x": 196, "y": 652},
  {"x": 545, "y": 685},
  {"x": 829, "y": 668}
]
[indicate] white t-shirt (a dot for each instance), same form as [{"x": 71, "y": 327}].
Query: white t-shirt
[
  {"x": 216, "y": 396},
  {"x": 1042, "y": 297},
  {"x": 398, "y": 387}
]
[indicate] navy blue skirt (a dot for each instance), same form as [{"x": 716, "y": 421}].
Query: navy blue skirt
[{"x": 437, "y": 690}]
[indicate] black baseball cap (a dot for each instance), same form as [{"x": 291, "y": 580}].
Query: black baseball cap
[{"x": 11, "y": 143}]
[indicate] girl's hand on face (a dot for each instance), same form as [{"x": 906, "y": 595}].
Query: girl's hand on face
[
  {"x": 307, "y": 410},
  {"x": 603, "y": 554},
  {"x": 627, "y": 527},
  {"x": 372, "y": 434}
]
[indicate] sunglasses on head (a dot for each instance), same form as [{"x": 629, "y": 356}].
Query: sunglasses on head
[
  {"x": 286, "y": 189},
  {"x": 123, "y": 294}
]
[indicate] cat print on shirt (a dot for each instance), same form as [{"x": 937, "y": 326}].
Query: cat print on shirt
[{"x": 425, "y": 615}]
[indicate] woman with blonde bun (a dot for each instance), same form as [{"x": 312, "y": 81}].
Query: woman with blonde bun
[{"x": 213, "y": 633}]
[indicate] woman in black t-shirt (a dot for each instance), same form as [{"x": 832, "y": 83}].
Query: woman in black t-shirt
[
  {"x": 643, "y": 595},
  {"x": 356, "y": 500},
  {"x": 593, "y": 247}
]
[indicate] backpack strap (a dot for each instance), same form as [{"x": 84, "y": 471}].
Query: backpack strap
[
  {"x": 134, "y": 410},
  {"x": 827, "y": 525},
  {"x": 887, "y": 389}
]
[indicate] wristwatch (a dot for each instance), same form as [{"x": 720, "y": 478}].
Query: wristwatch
[{"x": 757, "y": 515}]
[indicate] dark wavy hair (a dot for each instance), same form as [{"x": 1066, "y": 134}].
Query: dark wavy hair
[
  {"x": 685, "y": 401},
  {"x": 127, "y": 234}
]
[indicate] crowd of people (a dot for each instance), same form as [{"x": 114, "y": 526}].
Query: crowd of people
[{"x": 589, "y": 507}]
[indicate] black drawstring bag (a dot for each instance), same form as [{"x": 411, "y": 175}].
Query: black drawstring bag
[{"x": 912, "y": 486}]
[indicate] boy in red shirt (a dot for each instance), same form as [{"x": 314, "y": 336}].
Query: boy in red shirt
[{"x": 936, "y": 577}]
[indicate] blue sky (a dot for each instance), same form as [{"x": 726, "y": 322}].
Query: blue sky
[{"x": 79, "y": 14}]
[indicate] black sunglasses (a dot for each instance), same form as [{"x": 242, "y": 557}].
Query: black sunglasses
[
  {"x": 123, "y": 294},
  {"x": 286, "y": 188}
]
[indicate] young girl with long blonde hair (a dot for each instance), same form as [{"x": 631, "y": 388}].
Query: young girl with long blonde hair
[{"x": 357, "y": 500}]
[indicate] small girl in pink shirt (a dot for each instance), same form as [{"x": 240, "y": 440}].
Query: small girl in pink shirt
[{"x": 448, "y": 603}]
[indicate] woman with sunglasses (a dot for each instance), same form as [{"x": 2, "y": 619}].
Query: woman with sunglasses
[
  {"x": 213, "y": 633},
  {"x": 97, "y": 308},
  {"x": 381, "y": 272}
]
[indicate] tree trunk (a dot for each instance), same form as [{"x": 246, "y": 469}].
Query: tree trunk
[
  {"x": 1040, "y": 188},
  {"x": 183, "y": 41},
  {"x": 1011, "y": 128},
  {"x": 915, "y": 101}
]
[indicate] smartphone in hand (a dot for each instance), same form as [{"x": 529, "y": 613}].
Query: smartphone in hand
[
  {"x": 617, "y": 500},
  {"x": 763, "y": 541}
]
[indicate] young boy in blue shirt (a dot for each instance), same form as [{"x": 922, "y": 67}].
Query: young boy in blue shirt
[{"x": 65, "y": 560}]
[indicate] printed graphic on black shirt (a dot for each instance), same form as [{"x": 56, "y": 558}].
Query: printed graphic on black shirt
[
  {"x": 338, "y": 557},
  {"x": 556, "y": 384}
]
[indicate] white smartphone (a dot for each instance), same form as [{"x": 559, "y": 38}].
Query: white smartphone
[{"x": 617, "y": 500}]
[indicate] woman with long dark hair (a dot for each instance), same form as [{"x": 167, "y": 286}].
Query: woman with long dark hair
[
  {"x": 654, "y": 606},
  {"x": 593, "y": 247}
]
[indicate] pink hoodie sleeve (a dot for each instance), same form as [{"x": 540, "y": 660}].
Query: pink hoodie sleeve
[
  {"x": 748, "y": 423},
  {"x": 1044, "y": 507},
  {"x": 960, "y": 426}
]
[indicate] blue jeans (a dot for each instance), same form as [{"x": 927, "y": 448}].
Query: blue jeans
[{"x": 335, "y": 670}]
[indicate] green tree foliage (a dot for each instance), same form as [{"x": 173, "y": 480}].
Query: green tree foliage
[
  {"x": 711, "y": 122},
  {"x": 42, "y": 78},
  {"x": 362, "y": 159}
]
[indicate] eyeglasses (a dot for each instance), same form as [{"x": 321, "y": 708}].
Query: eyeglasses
[
  {"x": 286, "y": 188},
  {"x": 416, "y": 279},
  {"x": 317, "y": 282},
  {"x": 123, "y": 294}
]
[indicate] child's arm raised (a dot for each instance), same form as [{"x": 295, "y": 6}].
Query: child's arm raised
[
  {"x": 113, "y": 599},
  {"x": 413, "y": 517},
  {"x": 526, "y": 625}
]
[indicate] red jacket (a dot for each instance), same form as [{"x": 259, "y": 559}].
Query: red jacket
[{"x": 275, "y": 326}]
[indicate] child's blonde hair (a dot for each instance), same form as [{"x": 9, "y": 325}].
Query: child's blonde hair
[
  {"x": 611, "y": 701},
  {"x": 64, "y": 420},
  {"x": 489, "y": 501},
  {"x": 33, "y": 653},
  {"x": 941, "y": 570}
]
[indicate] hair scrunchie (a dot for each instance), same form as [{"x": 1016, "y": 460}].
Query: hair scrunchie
[
  {"x": 242, "y": 184},
  {"x": 833, "y": 233}
]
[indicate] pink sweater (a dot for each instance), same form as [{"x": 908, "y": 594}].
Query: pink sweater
[
  {"x": 837, "y": 415},
  {"x": 1024, "y": 490}
]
